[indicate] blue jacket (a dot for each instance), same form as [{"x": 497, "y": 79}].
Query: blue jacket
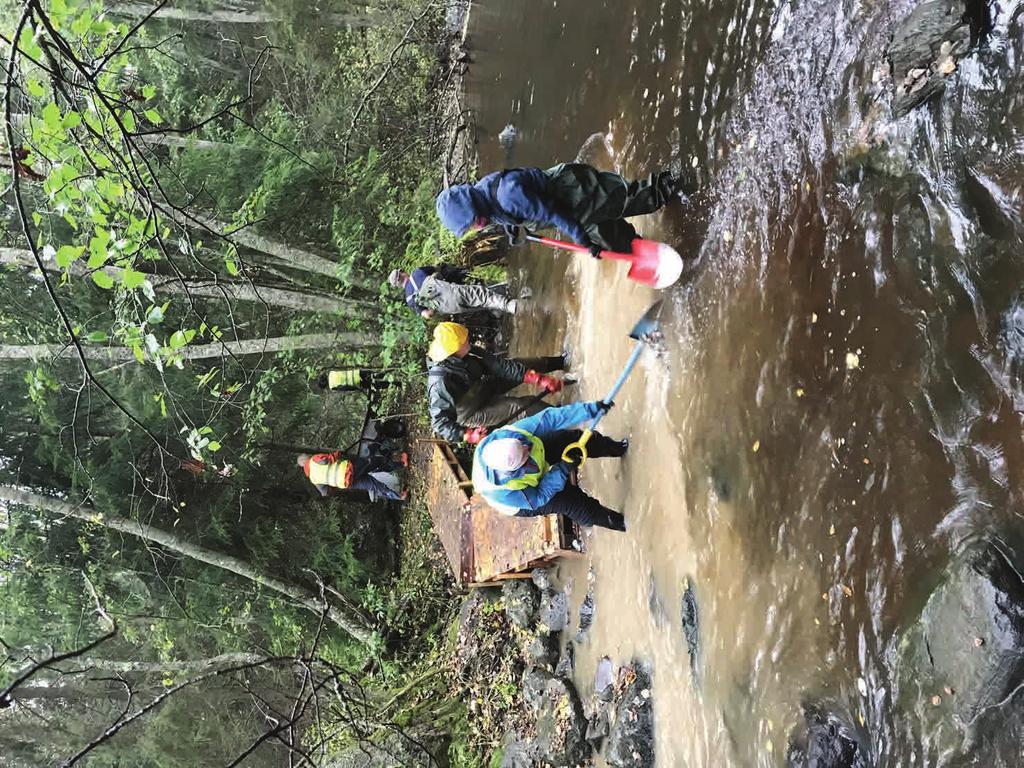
[
  {"x": 546, "y": 422},
  {"x": 516, "y": 197}
]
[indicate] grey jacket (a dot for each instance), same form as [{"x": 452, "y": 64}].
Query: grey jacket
[{"x": 455, "y": 381}]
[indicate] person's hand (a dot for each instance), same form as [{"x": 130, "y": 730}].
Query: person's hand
[
  {"x": 474, "y": 435},
  {"x": 426, "y": 314},
  {"x": 603, "y": 406},
  {"x": 595, "y": 250},
  {"x": 549, "y": 384}
]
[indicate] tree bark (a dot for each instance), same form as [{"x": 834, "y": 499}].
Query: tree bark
[
  {"x": 342, "y": 617},
  {"x": 66, "y": 693},
  {"x": 228, "y": 15},
  {"x": 349, "y": 340},
  {"x": 239, "y": 290},
  {"x": 191, "y": 666}
]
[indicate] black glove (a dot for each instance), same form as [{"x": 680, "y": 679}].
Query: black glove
[
  {"x": 595, "y": 250},
  {"x": 604, "y": 406},
  {"x": 516, "y": 234}
]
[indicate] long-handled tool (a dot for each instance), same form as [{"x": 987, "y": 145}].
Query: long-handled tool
[
  {"x": 650, "y": 263},
  {"x": 645, "y": 331}
]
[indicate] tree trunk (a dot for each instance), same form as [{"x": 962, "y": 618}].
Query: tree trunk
[
  {"x": 229, "y": 15},
  {"x": 191, "y": 666},
  {"x": 344, "y": 618},
  {"x": 239, "y": 290},
  {"x": 349, "y": 340},
  {"x": 67, "y": 693}
]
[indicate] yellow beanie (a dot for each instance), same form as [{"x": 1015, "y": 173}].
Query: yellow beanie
[{"x": 448, "y": 338}]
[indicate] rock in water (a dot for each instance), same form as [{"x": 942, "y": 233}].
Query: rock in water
[
  {"x": 507, "y": 137},
  {"x": 586, "y": 615},
  {"x": 691, "y": 623},
  {"x": 521, "y": 602},
  {"x": 631, "y": 742},
  {"x": 554, "y": 611},
  {"x": 966, "y": 653},
  {"x": 925, "y": 50},
  {"x": 827, "y": 740}
]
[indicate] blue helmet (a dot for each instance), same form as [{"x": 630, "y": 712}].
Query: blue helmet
[{"x": 456, "y": 208}]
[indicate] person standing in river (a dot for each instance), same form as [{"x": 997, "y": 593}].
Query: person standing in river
[
  {"x": 467, "y": 386},
  {"x": 588, "y": 205},
  {"x": 519, "y": 468}
]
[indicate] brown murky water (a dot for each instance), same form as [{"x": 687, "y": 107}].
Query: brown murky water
[{"x": 840, "y": 406}]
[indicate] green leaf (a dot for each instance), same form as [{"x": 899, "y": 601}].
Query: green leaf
[
  {"x": 231, "y": 266},
  {"x": 71, "y": 120},
  {"x": 153, "y": 116},
  {"x": 132, "y": 279},
  {"x": 68, "y": 254},
  {"x": 137, "y": 351},
  {"x": 177, "y": 340},
  {"x": 97, "y": 336},
  {"x": 155, "y": 316},
  {"x": 148, "y": 91},
  {"x": 28, "y": 45},
  {"x": 103, "y": 280},
  {"x": 51, "y": 117},
  {"x": 128, "y": 119},
  {"x": 36, "y": 87},
  {"x": 213, "y": 446}
]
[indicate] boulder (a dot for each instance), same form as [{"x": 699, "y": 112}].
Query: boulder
[
  {"x": 567, "y": 663},
  {"x": 690, "y": 623},
  {"x": 965, "y": 655},
  {"x": 553, "y": 615},
  {"x": 827, "y": 739},
  {"x": 586, "y": 616},
  {"x": 541, "y": 578},
  {"x": 631, "y": 740},
  {"x": 925, "y": 50},
  {"x": 542, "y": 650},
  {"x": 521, "y": 601},
  {"x": 559, "y": 738}
]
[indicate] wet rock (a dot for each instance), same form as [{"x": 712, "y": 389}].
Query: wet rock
[
  {"x": 654, "y": 602},
  {"x": 995, "y": 200},
  {"x": 567, "y": 663},
  {"x": 508, "y": 136},
  {"x": 598, "y": 726},
  {"x": 925, "y": 51},
  {"x": 631, "y": 740},
  {"x": 521, "y": 602},
  {"x": 827, "y": 740},
  {"x": 561, "y": 727},
  {"x": 604, "y": 679},
  {"x": 541, "y": 578},
  {"x": 966, "y": 653},
  {"x": 553, "y": 614},
  {"x": 586, "y": 617},
  {"x": 542, "y": 650},
  {"x": 690, "y": 623}
]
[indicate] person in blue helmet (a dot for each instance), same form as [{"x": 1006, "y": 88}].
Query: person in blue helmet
[
  {"x": 588, "y": 205},
  {"x": 520, "y": 472}
]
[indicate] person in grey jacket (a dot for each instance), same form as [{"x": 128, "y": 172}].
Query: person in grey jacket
[
  {"x": 442, "y": 289},
  {"x": 467, "y": 386}
]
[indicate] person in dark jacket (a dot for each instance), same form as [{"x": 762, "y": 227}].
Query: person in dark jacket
[
  {"x": 335, "y": 472},
  {"x": 588, "y": 205},
  {"x": 443, "y": 289},
  {"x": 519, "y": 468},
  {"x": 367, "y": 380},
  {"x": 467, "y": 386}
]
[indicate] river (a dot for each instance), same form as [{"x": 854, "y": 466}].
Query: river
[{"x": 838, "y": 409}]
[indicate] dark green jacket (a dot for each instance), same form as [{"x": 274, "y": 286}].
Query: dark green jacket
[{"x": 473, "y": 378}]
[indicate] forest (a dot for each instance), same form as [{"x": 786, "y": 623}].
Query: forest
[{"x": 201, "y": 203}]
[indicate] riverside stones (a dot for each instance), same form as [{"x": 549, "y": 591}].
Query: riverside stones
[
  {"x": 827, "y": 739},
  {"x": 521, "y": 602},
  {"x": 964, "y": 658},
  {"x": 561, "y": 726},
  {"x": 691, "y": 623},
  {"x": 631, "y": 740}
]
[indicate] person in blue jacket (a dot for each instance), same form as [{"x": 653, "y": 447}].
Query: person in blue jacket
[
  {"x": 519, "y": 469},
  {"x": 588, "y": 205}
]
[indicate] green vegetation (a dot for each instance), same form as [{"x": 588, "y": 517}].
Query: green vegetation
[{"x": 191, "y": 194}]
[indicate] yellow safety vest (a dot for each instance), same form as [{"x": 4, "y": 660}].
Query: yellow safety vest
[
  {"x": 347, "y": 378},
  {"x": 337, "y": 474},
  {"x": 530, "y": 479}
]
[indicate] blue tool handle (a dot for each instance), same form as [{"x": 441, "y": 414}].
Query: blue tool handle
[{"x": 630, "y": 364}]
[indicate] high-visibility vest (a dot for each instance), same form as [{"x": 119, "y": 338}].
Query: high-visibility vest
[
  {"x": 337, "y": 474},
  {"x": 350, "y": 377},
  {"x": 530, "y": 479}
]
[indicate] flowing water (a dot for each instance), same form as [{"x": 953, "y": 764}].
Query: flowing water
[{"x": 839, "y": 407}]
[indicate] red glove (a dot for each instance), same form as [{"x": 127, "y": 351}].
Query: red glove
[
  {"x": 475, "y": 435},
  {"x": 542, "y": 380}
]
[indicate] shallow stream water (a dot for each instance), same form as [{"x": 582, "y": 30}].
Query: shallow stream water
[{"x": 838, "y": 410}]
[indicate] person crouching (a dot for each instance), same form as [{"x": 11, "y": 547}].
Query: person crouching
[{"x": 519, "y": 469}]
